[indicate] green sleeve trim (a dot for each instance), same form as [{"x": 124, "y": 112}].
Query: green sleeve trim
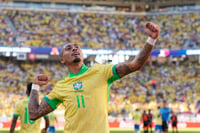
[
  {"x": 52, "y": 102},
  {"x": 115, "y": 76},
  {"x": 115, "y": 71},
  {"x": 46, "y": 116},
  {"x": 15, "y": 114},
  {"x": 112, "y": 79}
]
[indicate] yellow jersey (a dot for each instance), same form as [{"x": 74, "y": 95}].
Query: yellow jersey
[
  {"x": 85, "y": 97},
  {"x": 52, "y": 119},
  {"x": 157, "y": 117},
  {"x": 27, "y": 125},
  {"x": 137, "y": 117}
]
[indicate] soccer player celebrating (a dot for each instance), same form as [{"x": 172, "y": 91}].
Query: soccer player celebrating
[
  {"x": 27, "y": 125},
  {"x": 84, "y": 93}
]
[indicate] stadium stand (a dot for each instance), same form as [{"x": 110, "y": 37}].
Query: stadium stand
[
  {"x": 144, "y": 89},
  {"x": 149, "y": 86},
  {"x": 91, "y": 30}
]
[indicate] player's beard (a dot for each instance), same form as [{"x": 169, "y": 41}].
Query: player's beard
[{"x": 76, "y": 60}]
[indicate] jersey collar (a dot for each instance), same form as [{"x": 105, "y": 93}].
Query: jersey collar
[{"x": 83, "y": 69}]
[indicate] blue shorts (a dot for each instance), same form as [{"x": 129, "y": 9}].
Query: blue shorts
[
  {"x": 51, "y": 129},
  {"x": 137, "y": 127},
  {"x": 158, "y": 127}
]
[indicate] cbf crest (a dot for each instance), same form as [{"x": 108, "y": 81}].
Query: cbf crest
[{"x": 77, "y": 86}]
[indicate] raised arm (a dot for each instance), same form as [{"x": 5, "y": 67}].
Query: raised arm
[
  {"x": 35, "y": 109},
  {"x": 14, "y": 121},
  {"x": 124, "y": 69}
]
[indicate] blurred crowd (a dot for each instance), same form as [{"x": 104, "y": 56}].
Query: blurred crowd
[
  {"x": 116, "y": 31},
  {"x": 145, "y": 89},
  {"x": 6, "y": 32}
]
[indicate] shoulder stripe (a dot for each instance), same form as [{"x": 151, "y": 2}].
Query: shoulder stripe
[
  {"x": 46, "y": 115},
  {"x": 115, "y": 76},
  {"x": 114, "y": 71},
  {"x": 52, "y": 102},
  {"x": 112, "y": 79}
]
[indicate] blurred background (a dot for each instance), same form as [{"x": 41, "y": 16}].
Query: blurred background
[{"x": 108, "y": 31}]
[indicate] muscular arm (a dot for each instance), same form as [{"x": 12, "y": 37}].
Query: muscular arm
[
  {"x": 46, "y": 122},
  {"x": 35, "y": 109},
  {"x": 125, "y": 68},
  {"x": 14, "y": 121}
]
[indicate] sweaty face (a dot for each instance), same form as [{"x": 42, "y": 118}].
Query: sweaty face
[{"x": 71, "y": 53}]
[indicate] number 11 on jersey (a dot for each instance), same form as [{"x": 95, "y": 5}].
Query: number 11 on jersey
[{"x": 78, "y": 101}]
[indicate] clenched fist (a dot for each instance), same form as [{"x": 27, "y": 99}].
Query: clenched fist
[
  {"x": 153, "y": 30},
  {"x": 41, "y": 79}
]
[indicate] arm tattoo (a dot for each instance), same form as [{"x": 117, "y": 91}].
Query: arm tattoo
[
  {"x": 125, "y": 68},
  {"x": 14, "y": 121},
  {"x": 35, "y": 109},
  {"x": 144, "y": 54}
]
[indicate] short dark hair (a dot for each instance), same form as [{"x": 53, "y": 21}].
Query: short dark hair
[
  {"x": 63, "y": 46},
  {"x": 28, "y": 88}
]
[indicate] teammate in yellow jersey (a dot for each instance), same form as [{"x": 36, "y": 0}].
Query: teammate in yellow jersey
[
  {"x": 84, "y": 93},
  {"x": 53, "y": 120},
  {"x": 137, "y": 117},
  {"x": 27, "y": 125},
  {"x": 158, "y": 120}
]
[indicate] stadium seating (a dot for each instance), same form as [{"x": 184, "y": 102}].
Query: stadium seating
[
  {"x": 6, "y": 34},
  {"x": 116, "y": 31},
  {"x": 147, "y": 87},
  {"x": 143, "y": 89}
]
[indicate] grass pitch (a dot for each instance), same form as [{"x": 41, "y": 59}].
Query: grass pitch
[{"x": 117, "y": 130}]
